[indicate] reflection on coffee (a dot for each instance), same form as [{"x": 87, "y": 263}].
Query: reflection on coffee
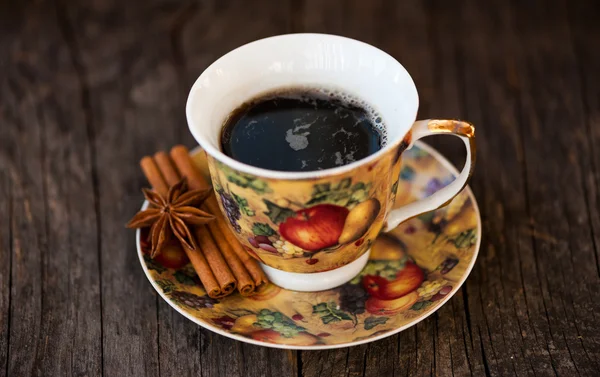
[{"x": 302, "y": 130}]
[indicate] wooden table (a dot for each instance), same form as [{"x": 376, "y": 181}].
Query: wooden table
[{"x": 87, "y": 88}]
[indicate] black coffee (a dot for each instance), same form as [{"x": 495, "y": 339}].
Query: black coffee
[{"x": 300, "y": 130}]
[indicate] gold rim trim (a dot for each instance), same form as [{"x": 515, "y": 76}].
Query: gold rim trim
[{"x": 457, "y": 127}]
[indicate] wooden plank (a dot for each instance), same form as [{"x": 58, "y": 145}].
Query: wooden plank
[
  {"x": 515, "y": 308},
  {"x": 71, "y": 325},
  {"x": 5, "y": 248},
  {"x": 124, "y": 54},
  {"x": 558, "y": 196},
  {"x": 180, "y": 341},
  {"x": 585, "y": 33},
  {"x": 217, "y": 27},
  {"x": 465, "y": 72},
  {"x": 26, "y": 233},
  {"x": 24, "y": 227},
  {"x": 506, "y": 305},
  {"x": 55, "y": 302}
]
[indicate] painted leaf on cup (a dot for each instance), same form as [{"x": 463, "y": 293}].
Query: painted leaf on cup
[
  {"x": 344, "y": 184},
  {"x": 259, "y": 186},
  {"x": 245, "y": 180},
  {"x": 276, "y": 321},
  {"x": 276, "y": 213},
  {"x": 420, "y": 305},
  {"x": 321, "y": 188},
  {"x": 262, "y": 229},
  {"x": 465, "y": 239},
  {"x": 166, "y": 285},
  {"x": 183, "y": 278},
  {"x": 371, "y": 322},
  {"x": 329, "y": 313},
  {"x": 243, "y": 204},
  {"x": 152, "y": 265},
  {"x": 340, "y": 198},
  {"x": 394, "y": 188},
  {"x": 342, "y": 193}
]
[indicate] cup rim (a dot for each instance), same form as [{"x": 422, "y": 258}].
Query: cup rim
[{"x": 216, "y": 153}]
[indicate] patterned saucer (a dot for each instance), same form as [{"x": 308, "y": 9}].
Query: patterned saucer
[{"x": 413, "y": 270}]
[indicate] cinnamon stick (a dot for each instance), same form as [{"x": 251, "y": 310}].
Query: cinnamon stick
[
  {"x": 153, "y": 175},
  {"x": 257, "y": 273},
  {"x": 184, "y": 163},
  {"x": 204, "y": 272},
  {"x": 218, "y": 265},
  {"x": 225, "y": 277},
  {"x": 166, "y": 168},
  {"x": 199, "y": 262},
  {"x": 245, "y": 283}
]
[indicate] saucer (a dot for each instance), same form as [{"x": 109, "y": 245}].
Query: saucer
[{"x": 412, "y": 271}]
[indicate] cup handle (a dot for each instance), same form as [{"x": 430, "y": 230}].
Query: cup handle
[{"x": 422, "y": 128}]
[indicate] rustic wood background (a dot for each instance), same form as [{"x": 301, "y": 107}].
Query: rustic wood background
[{"x": 89, "y": 87}]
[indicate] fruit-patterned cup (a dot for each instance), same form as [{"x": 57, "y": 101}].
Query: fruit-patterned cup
[{"x": 313, "y": 230}]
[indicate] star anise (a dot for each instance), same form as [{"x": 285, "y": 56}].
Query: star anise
[{"x": 172, "y": 215}]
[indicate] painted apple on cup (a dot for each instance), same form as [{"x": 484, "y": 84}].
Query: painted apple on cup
[
  {"x": 326, "y": 225},
  {"x": 315, "y": 228}
]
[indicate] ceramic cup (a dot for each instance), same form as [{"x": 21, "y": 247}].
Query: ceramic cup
[{"x": 313, "y": 230}]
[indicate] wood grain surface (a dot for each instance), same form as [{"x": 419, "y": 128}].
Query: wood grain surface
[{"x": 89, "y": 87}]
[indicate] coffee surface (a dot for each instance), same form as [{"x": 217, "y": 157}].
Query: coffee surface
[{"x": 300, "y": 130}]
